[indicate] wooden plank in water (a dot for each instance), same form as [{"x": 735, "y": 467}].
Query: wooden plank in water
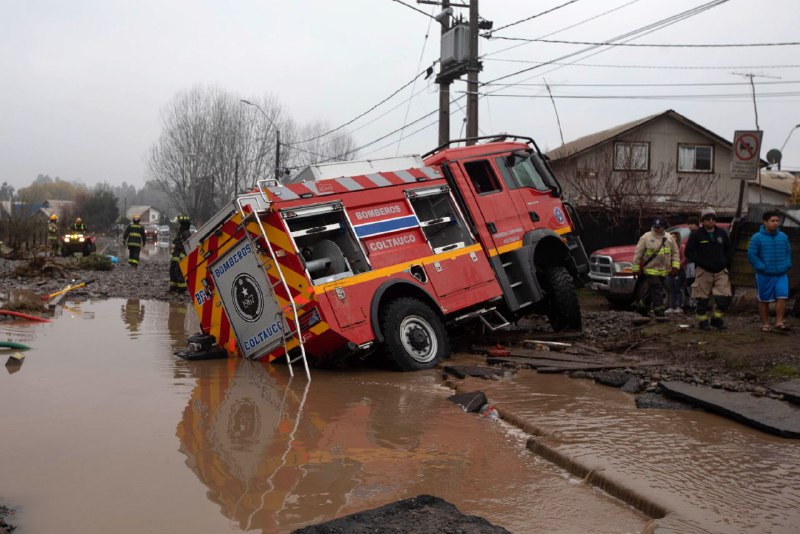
[{"x": 768, "y": 415}]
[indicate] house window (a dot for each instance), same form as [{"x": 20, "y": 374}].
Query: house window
[
  {"x": 695, "y": 158},
  {"x": 631, "y": 156}
]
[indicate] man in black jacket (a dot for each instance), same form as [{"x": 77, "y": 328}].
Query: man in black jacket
[{"x": 709, "y": 247}]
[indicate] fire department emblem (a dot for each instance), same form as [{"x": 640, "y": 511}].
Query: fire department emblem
[
  {"x": 559, "y": 215},
  {"x": 247, "y": 297}
]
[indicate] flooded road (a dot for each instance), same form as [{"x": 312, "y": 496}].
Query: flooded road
[{"x": 104, "y": 430}]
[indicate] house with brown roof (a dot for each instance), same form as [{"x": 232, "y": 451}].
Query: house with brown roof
[{"x": 660, "y": 164}]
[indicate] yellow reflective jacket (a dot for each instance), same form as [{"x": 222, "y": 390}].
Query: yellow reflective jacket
[{"x": 664, "y": 252}]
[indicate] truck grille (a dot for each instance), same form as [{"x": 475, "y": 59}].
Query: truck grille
[{"x": 601, "y": 265}]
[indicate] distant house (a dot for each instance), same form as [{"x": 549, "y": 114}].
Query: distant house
[
  {"x": 774, "y": 188},
  {"x": 663, "y": 163},
  {"x": 147, "y": 214},
  {"x": 63, "y": 209}
]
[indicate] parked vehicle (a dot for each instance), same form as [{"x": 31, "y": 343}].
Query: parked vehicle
[
  {"x": 610, "y": 269},
  {"x": 77, "y": 242},
  {"x": 353, "y": 256},
  {"x": 150, "y": 232}
]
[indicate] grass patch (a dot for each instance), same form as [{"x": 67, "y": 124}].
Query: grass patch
[
  {"x": 94, "y": 262},
  {"x": 785, "y": 370}
]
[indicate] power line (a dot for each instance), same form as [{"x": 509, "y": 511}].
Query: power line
[
  {"x": 693, "y": 84},
  {"x": 638, "y": 32},
  {"x": 351, "y": 121},
  {"x": 419, "y": 64},
  {"x": 652, "y": 45},
  {"x": 412, "y": 7},
  {"x": 579, "y": 23},
  {"x": 657, "y": 67},
  {"x": 532, "y": 17},
  {"x": 649, "y": 96}
]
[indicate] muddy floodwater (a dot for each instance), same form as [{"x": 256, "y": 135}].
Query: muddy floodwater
[{"x": 102, "y": 429}]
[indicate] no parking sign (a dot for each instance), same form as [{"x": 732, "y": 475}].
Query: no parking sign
[{"x": 746, "y": 150}]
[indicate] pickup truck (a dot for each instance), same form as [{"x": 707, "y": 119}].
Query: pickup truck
[{"x": 610, "y": 269}]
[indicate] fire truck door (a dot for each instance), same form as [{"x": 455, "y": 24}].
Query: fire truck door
[
  {"x": 249, "y": 300},
  {"x": 501, "y": 225},
  {"x": 535, "y": 196}
]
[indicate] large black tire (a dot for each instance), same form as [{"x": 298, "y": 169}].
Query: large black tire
[
  {"x": 563, "y": 309},
  {"x": 414, "y": 335}
]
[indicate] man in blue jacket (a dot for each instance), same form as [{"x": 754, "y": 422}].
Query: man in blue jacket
[{"x": 771, "y": 256}]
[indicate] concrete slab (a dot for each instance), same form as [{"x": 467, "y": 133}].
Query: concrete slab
[
  {"x": 543, "y": 355},
  {"x": 790, "y": 390},
  {"x": 768, "y": 415}
]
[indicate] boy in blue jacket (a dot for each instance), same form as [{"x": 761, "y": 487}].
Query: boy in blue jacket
[{"x": 771, "y": 256}]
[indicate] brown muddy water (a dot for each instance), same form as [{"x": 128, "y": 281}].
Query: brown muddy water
[{"x": 104, "y": 430}]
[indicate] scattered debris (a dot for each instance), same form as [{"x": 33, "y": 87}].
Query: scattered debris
[{"x": 463, "y": 371}]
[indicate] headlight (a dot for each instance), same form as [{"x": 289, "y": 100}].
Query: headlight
[
  {"x": 80, "y": 239},
  {"x": 623, "y": 267},
  {"x": 66, "y": 239}
]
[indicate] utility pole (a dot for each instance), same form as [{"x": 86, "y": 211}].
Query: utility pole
[
  {"x": 444, "y": 88},
  {"x": 743, "y": 185},
  {"x": 473, "y": 68},
  {"x": 277, "y": 138},
  {"x": 459, "y": 56}
]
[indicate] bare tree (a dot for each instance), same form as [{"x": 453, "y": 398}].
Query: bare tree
[
  {"x": 213, "y": 146},
  {"x": 621, "y": 186}
]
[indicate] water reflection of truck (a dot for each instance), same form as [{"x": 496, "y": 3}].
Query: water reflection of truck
[{"x": 355, "y": 255}]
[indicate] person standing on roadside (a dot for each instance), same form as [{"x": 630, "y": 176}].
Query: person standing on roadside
[
  {"x": 134, "y": 240},
  {"x": 675, "y": 281},
  {"x": 770, "y": 254},
  {"x": 709, "y": 248},
  {"x": 656, "y": 256},
  {"x": 52, "y": 234},
  {"x": 692, "y": 223},
  {"x": 177, "y": 283}
]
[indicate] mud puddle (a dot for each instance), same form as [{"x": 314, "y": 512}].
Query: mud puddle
[
  {"x": 713, "y": 474},
  {"x": 104, "y": 430}
]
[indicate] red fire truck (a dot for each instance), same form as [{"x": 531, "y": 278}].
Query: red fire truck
[{"x": 355, "y": 256}]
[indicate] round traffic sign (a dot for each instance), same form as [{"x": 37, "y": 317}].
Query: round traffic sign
[{"x": 746, "y": 147}]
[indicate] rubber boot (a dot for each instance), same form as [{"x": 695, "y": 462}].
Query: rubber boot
[
  {"x": 703, "y": 325},
  {"x": 716, "y": 322}
]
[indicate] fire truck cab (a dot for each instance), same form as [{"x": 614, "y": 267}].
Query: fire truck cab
[{"x": 352, "y": 256}]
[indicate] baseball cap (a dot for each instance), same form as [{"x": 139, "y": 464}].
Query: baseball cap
[{"x": 707, "y": 212}]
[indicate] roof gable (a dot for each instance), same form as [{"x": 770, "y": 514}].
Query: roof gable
[{"x": 588, "y": 142}]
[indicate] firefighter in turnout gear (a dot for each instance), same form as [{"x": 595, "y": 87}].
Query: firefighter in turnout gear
[
  {"x": 134, "y": 240},
  {"x": 52, "y": 234},
  {"x": 709, "y": 247},
  {"x": 177, "y": 282},
  {"x": 78, "y": 226},
  {"x": 656, "y": 256}
]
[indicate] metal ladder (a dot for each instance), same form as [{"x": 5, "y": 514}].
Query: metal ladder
[{"x": 286, "y": 336}]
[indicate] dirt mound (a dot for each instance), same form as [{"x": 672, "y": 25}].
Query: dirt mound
[{"x": 423, "y": 514}]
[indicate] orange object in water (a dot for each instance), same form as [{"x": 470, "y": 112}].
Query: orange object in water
[{"x": 499, "y": 351}]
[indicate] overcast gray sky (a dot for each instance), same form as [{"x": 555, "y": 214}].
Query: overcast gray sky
[{"x": 83, "y": 82}]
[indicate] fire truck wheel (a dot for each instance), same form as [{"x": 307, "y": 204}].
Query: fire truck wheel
[
  {"x": 414, "y": 334},
  {"x": 564, "y": 311}
]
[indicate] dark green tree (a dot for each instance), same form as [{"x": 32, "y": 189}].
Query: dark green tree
[{"x": 101, "y": 208}]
